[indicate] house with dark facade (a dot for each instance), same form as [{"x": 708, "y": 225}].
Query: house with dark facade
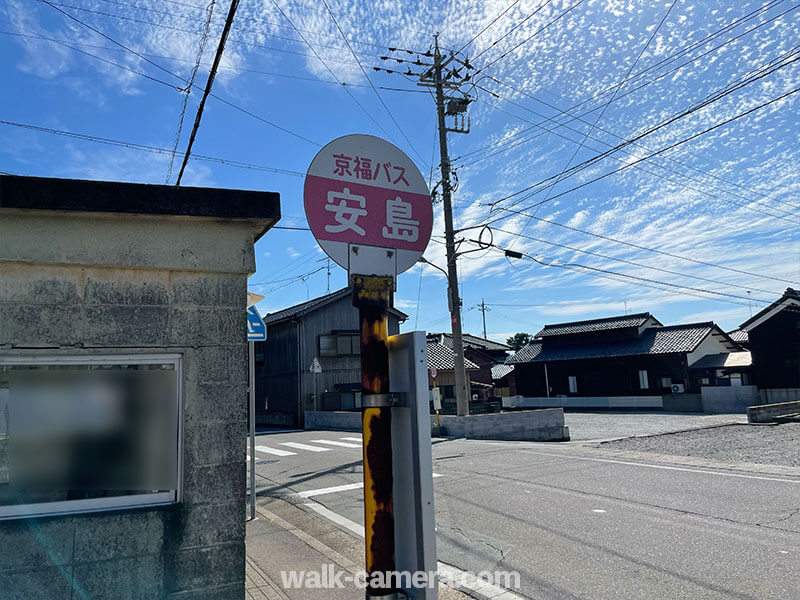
[
  {"x": 483, "y": 353},
  {"x": 774, "y": 341},
  {"x": 441, "y": 362},
  {"x": 325, "y": 329},
  {"x": 623, "y": 361}
]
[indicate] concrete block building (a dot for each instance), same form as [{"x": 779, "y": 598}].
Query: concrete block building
[{"x": 123, "y": 363}]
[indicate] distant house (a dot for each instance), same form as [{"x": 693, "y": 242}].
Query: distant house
[
  {"x": 325, "y": 329},
  {"x": 774, "y": 339},
  {"x": 486, "y": 354},
  {"x": 607, "y": 360},
  {"x": 741, "y": 337},
  {"x": 441, "y": 359}
]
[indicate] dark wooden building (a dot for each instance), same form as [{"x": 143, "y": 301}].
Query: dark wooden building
[
  {"x": 325, "y": 329},
  {"x": 774, "y": 338},
  {"x": 625, "y": 356},
  {"x": 483, "y": 353}
]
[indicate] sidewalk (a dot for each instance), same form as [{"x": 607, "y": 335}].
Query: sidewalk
[{"x": 284, "y": 537}]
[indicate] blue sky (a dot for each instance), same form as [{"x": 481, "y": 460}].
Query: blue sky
[{"x": 726, "y": 200}]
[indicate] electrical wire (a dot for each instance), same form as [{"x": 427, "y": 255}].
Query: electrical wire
[
  {"x": 510, "y": 31},
  {"x": 667, "y": 59},
  {"x": 661, "y": 252},
  {"x": 72, "y": 44},
  {"x": 374, "y": 89},
  {"x": 657, "y": 127},
  {"x": 638, "y": 166},
  {"x": 609, "y": 132},
  {"x": 199, "y": 56},
  {"x": 636, "y": 280},
  {"x": 144, "y": 58},
  {"x": 534, "y": 34},
  {"x": 211, "y": 75},
  {"x": 640, "y": 265},
  {"x": 599, "y": 116},
  {"x": 152, "y": 149},
  {"x": 349, "y": 93},
  {"x": 477, "y": 35}
]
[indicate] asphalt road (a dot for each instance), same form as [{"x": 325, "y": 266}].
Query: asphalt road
[{"x": 574, "y": 521}]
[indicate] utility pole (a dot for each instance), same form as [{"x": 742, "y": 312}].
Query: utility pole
[
  {"x": 446, "y": 73},
  {"x": 482, "y": 307},
  {"x": 435, "y": 77}
]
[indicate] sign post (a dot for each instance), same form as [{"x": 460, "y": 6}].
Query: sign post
[
  {"x": 369, "y": 208},
  {"x": 316, "y": 369},
  {"x": 256, "y": 332}
]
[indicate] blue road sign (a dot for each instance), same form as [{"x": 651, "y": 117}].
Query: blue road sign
[{"x": 256, "y": 330}]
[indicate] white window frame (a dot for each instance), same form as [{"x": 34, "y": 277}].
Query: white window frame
[
  {"x": 644, "y": 384},
  {"x": 92, "y": 505},
  {"x": 573, "y": 384}
]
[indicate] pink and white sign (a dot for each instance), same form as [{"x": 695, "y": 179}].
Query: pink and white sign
[{"x": 363, "y": 191}]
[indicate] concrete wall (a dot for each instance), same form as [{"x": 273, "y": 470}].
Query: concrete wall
[
  {"x": 333, "y": 419},
  {"x": 533, "y": 425},
  {"x": 584, "y": 402},
  {"x": 98, "y": 283},
  {"x": 770, "y": 396},
  {"x": 545, "y": 425},
  {"x": 729, "y": 399},
  {"x": 768, "y": 413}
]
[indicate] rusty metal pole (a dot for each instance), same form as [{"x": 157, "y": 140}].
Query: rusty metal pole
[{"x": 372, "y": 296}]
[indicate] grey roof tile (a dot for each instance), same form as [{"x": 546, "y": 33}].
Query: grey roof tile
[
  {"x": 442, "y": 358},
  {"x": 606, "y": 324},
  {"x": 657, "y": 340}
]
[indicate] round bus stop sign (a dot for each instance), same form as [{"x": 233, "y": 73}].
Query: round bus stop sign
[{"x": 368, "y": 205}]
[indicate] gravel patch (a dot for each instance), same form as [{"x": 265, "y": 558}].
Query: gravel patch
[{"x": 762, "y": 444}]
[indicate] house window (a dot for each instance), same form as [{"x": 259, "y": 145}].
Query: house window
[
  {"x": 666, "y": 383},
  {"x": 639, "y": 380},
  {"x": 573, "y": 384},
  {"x": 339, "y": 345},
  {"x": 89, "y": 433}
]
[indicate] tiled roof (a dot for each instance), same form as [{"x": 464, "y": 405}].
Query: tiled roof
[
  {"x": 442, "y": 358},
  {"x": 657, "y": 340},
  {"x": 606, "y": 324},
  {"x": 313, "y": 304},
  {"x": 724, "y": 360},
  {"x": 501, "y": 370},
  {"x": 472, "y": 341},
  {"x": 790, "y": 297},
  {"x": 740, "y": 336}
]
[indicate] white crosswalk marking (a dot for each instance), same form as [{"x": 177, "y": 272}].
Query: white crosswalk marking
[
  {"x": 352, "y": 439},
  {"x": 304, "y": 447},
  {"x": 274, "y": 451},
  {"x": 335, "y": 443}
]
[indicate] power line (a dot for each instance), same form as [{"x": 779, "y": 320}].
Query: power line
[
  {"x": 477, "y": 35},
  {"x": 374, "y": 89},
  {"x": 534, "y": 34},
  {"x": 200, "y": 49},
  {"x": 247, "y": 44},
  {"x": 651, "y": 130},
  {"x": 135, "y": 53},
  {"x": 634, "y": 278},
  {"x": 510, "y": 31},
  {"x": 349, "y": 93},
  {"x": 629, "y": 153},
  {"x": 602, "y": 112},
  {"x": 638, "y": 264},
  {"x": 71, "y": 44},
  {"x": 258, "y": 32},
  {"x": 565, "y": 124},
  {"x": 669, "y": 58},
  {"x": 658, "y": 251},
  {"x": 212, "y": 73},
  {"x": 683, "y": 141},
  {"x": 152, "y": 149}
]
